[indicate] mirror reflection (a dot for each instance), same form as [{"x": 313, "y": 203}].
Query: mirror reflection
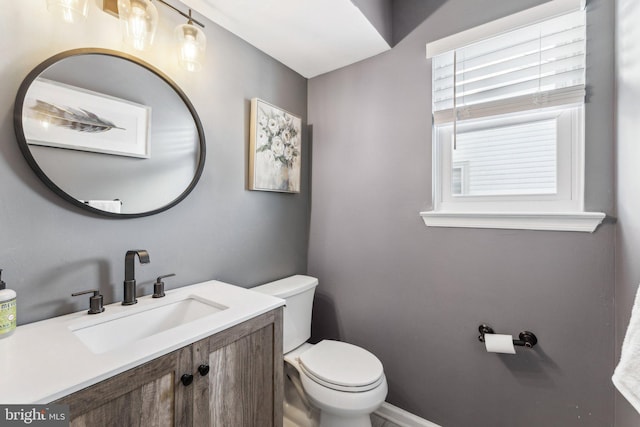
[{"x": 109, "y": 133}]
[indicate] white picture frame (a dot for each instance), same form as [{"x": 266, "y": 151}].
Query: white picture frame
[
  {"x": 63, "y": 116},
  {"x": 275, "y": 148}
]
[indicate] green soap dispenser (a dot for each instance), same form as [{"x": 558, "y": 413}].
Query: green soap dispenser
[{"x": 7, "y": 309}]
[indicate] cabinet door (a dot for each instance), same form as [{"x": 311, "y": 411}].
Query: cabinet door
[
  {"x": 147, "y": 396},
  {"x": 244, "y": 384}
]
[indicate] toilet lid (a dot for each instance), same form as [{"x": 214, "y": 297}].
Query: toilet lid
[{"x": 343, "y": 365}]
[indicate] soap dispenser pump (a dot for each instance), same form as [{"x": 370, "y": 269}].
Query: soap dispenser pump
[{"x": 7, "y": 309}]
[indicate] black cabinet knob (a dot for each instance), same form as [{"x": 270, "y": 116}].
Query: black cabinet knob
[
  {"x": 186, "y": 379},
  {"x": 203, "y": 369}
]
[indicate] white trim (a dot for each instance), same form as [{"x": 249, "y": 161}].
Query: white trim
[
  {"x": 401, "y": 417},
  {"x": 508, "y": 23},
  {"x": 570, "y": 221}
]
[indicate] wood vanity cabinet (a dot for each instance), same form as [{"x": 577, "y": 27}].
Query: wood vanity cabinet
[{"x": 236, "y": 382}]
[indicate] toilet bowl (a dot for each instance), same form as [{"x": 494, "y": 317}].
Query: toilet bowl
[{"x": 344, "y": 382}]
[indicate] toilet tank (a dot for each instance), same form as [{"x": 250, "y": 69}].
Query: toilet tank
[{"x": 298, "y": 292}]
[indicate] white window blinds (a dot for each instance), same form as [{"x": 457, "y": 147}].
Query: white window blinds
[{"x": 537, "y": 66}]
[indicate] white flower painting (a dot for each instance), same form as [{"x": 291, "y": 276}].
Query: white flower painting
[{"x": 275, "y": 139}]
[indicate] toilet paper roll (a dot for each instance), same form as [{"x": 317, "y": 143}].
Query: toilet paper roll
[{"x": 499, "y": 343}]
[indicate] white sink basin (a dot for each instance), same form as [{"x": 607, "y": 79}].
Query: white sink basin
[{"x": 114, "y": 333}]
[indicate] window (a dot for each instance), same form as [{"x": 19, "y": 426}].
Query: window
[
  {"x": 506, "y": 159},
  {"x": 508, "y": 123}
]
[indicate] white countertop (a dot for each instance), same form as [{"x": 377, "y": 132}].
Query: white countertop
[{"x": 44, "y": 361}]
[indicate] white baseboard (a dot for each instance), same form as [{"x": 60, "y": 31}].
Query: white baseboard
[{"x": 401, "y": 417}]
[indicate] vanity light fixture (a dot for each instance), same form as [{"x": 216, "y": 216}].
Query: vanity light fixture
[
  {"x": 192, "y": 44},
  {"x": 139, "y": 21},
  {"x": 69, "y": 10}
]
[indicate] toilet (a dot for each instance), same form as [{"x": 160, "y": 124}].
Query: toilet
[{"x": 339, "y": 383}]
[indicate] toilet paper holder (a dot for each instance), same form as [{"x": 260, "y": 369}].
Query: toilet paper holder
[{"x": 527, "y": 339}]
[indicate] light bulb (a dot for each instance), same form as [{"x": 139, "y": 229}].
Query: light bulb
[
  {"x": 139, "y": 19},
  {"x": 189, "y": 52},
  {"x": 192, "y": 45},
  {"x": 138, "y": 26}
]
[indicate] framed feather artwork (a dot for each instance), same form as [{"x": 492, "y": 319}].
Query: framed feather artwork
[
  {"x": 275, "y": 148},
  {"x": 63, "y": 116}
]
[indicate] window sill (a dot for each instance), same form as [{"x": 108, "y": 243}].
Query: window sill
[{"x": 560, "y": 221}]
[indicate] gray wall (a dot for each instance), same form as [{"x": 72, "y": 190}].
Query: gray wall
[
  {"x": 49, "y": 249},
  {"x": 379, "y": 13},
  {"x": 414, "y": 295},
  {"x": 628, "y": 181}
]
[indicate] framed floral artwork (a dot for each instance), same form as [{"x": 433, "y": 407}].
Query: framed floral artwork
[{"x": 275, "y": 148}]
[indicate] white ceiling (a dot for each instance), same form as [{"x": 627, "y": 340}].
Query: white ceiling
[{"x": 311, "y": 37}]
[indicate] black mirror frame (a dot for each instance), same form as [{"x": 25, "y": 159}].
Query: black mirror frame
[{"x": 26, "y": 152}]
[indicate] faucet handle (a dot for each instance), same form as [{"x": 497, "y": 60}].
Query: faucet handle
[
  {"x": 158, "y": 287},
  {"x": 95, "y": 302}
]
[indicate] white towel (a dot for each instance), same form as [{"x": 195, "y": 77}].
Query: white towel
[
  {"x": 105, "y": 205},
  {"x": 626, "y": 376}
]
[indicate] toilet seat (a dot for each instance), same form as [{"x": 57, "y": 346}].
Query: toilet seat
[{"x": 341, "y": 366}]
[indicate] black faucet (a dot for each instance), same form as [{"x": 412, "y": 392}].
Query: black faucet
[{"x": 130, "y": 275}]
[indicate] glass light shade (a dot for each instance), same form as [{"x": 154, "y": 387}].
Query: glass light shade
[
  {"x": 139, "y": 20},
  {"x": 69, "y": 10},
  {"x": 192, "y": 44}
]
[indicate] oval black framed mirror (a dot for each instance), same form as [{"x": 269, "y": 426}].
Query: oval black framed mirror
[{"x": 109, "y": 133}]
